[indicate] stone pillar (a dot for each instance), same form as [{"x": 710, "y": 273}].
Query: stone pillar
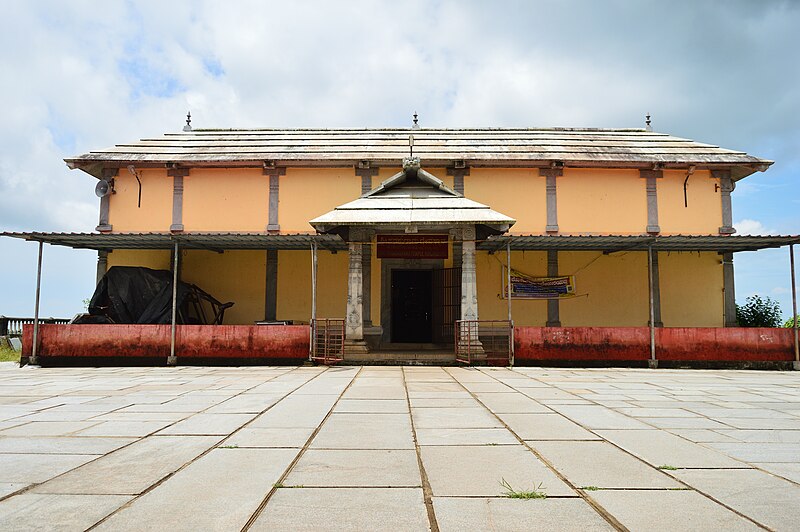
[
  {"x": 354, "y": 320},
  {"x": 553, "y": 318},
  {"x": 552, "y": 203},
  {"x": 469, "y": 280},
  {"x": 274, "y": 173},
  {"x": 726, "y": 186},
  {"x": 105, "y": 202},
  {"x": 729, "y": 291},
  {"x": 652, "y": 177},
  {"x": 102, "y": 265},
  {"x": 177, "y": 175},
  {"x": 366, "y": 172}
]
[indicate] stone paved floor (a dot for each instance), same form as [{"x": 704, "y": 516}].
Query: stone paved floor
[{"x": 390, "y": 448}]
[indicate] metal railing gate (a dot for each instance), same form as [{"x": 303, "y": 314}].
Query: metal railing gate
[
  {"x": 488, "y": 342},
  {"x": 327, "y": 340}
]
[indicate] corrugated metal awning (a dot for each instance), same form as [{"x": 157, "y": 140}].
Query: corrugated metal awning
[
  {"x": 223, "y": 241},
  {"x": 613, "y": 243},
  {"x": 209, "y": 241}
]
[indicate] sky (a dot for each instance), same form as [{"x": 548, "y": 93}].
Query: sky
[{"x": 82, "y": 75}]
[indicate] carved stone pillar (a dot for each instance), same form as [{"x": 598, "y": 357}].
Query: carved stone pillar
[
  {"x": 354, "y": 320},
  {"x": 458, "y": 173},
  {"x": 469, "y": 279},
  {"x": 652, "y": 177},
  {"x": 105, "y": 203},
  {"x": 726, "y": 186},
  {"x": 552, "y": 202}
]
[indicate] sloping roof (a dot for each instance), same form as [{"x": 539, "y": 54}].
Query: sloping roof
[
  {"x": 412, "y": 197},
  {"x": 478, "y": 147}
]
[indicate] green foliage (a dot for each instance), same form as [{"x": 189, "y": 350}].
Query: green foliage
[
  {"x": 667, "y": 468},
  {"x": 790, "y": 322},
  {"x": 8, "y": 355},
  {"x": 536, "y": 493},
  {"x": 758, "y": 312}
]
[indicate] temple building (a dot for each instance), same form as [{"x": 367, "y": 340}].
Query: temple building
[{"x": 405, "y": 233}]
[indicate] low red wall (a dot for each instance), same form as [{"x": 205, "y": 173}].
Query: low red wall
[
  {"x": 674, "y": 344},
  {"x": 153, "y": 341}
]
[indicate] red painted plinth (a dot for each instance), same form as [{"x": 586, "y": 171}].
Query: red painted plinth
[
  {"x": 153, "y": 341},
  {"x": 675, "y": 344}
]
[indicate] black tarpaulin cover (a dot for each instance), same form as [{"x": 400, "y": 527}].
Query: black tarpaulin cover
[{"x": 128, "y": 294}]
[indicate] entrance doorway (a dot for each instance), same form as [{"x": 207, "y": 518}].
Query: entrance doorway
[{"x": 412, "y": 308}]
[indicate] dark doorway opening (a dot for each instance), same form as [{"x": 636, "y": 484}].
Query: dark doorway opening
[{"x": 412, "y": 306}]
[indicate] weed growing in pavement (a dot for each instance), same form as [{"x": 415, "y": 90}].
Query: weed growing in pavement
[
  {"x": 282, "y": 485},
  {"x": 228, "y": 447},
  {"x": 536, "y": 493},
  {"x": 590, "y": 488},
  {"x": 667, "y": 468}
]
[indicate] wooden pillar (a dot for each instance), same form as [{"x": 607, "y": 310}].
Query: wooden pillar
[
  {"x": 653, "y": 362},
  {"x": 729, "y": 291},
  {"x": 173, "y": 360},
  {"x": 553, "y": 317},
  {"x": 102, "y": 266},
  {"x": 656, "y": 291},
  {"x": 271, "y": 291}
]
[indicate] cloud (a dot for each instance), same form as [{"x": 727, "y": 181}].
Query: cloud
[
  {"x": 750, "y": 227},
  {"x": 82, "y": 75}
]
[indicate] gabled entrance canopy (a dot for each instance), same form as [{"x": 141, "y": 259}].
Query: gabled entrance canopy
[{"x": 413, "y": 200}]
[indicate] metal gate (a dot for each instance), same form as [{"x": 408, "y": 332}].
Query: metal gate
[
  {"x": 485, "y": 342},
  {"x": 446, "y": 304},
  {"x": 327, "y": 340}
]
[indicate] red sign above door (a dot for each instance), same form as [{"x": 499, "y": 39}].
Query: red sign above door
[{"x": 414, "y": 246}]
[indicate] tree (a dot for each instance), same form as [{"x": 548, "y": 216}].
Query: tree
[
  {"x": 758, "y": 312},
  {"x": 789, "y": 323}
]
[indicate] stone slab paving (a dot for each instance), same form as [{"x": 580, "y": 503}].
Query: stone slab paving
[{"x": 398, "y": 448}]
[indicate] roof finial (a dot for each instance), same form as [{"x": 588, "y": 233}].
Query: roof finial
[
  {"x": 647, "y": 125},
  {"x": 188, "y": 126},
  {"x": 416, "y": 120}
]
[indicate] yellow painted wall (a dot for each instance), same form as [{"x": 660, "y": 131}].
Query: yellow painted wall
[
  {"x": 518, "y": 193},
  {"x": 225, "y": 200},
  {"x": 155, "y": 214},
  {"x": 601, "y": 201},
  {"x": 612, "y": 289},
  {"x": 691, "y": 289},
  {"x": 491, "y": 305},
  {"x": 238, "y": 276},
  {"x": 306, "y": 193},
  {"x": 294, "y": 285},
  {"x": 704, "y": 212},
  {"x": 157, "y": 259}
]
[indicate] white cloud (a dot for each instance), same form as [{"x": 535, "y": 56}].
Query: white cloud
[{"x": 750, "y": 227}]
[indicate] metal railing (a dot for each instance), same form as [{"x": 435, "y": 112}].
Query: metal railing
[
  {"x": 327, "y": 340},
  {"x": 13, "y": 326},
  {"x": 487, "y": 342}
]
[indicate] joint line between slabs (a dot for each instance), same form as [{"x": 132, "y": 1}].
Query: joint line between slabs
[
  {"x": 299, "y": 455},
  {"x": 599, "y": 509},
  {"x": 427, "y": 491},
  {"x": 678, "y": 480},
  {"x": 163, "y": 479}
]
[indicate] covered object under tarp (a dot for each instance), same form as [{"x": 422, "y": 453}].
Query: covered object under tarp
[{"x": 136, "y": 295}]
